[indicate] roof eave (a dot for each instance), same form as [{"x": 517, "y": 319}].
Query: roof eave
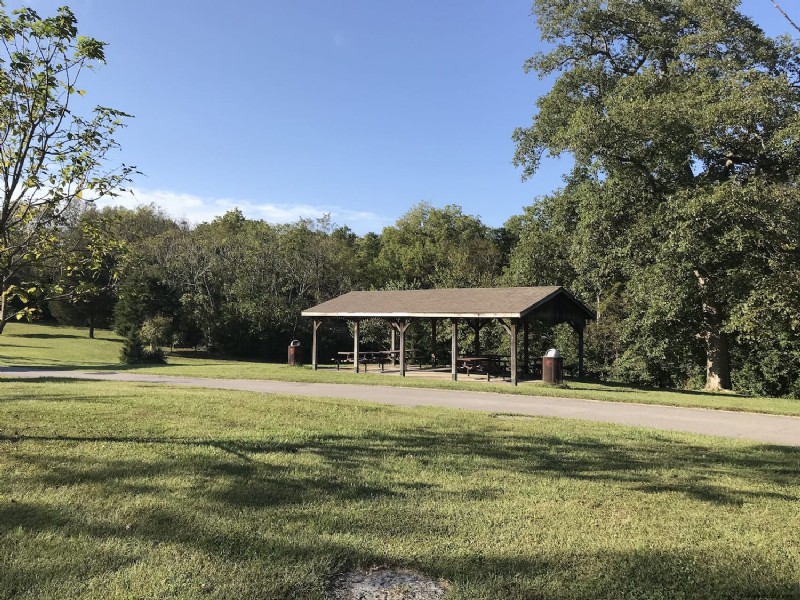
[{"x": 406, "y": 315}]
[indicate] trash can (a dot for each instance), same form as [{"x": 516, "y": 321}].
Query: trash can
[
  {"x": 552, "y": 367},
  {"x": 295, "y": 354}
]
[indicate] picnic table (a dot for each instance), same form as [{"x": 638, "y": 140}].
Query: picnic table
[
  {"x": 379, "y": 357},
  {"x": 488, "y": 364}
]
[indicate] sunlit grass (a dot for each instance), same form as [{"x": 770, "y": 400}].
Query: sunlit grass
[
  {"x": 29, "y": 345},
  {"x": 69, "y": 348},
  {"x": 142, "y": 491}
]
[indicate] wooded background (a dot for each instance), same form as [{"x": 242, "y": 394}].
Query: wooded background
[{"x": 678, "y": 223}]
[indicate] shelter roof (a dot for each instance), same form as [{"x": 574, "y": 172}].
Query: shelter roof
[{"x": 487, "y": 303}]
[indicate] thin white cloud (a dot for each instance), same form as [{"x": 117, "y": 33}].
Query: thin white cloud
[{"x": 197, "y": 209}]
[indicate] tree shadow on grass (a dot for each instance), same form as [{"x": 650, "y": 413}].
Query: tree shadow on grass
[
  {"x": 229, "y": 477},
  {"x": 240, "y": 481},
  {"x": 595, "y": 574},
  {"x": 577, "y": 574},
  {"x": 55, "y": 559},
  {"x": 14, "y": 346},
  {"x": 53, "y": 336},
  {"x": 102, "y": 368},
  {"x": 24, "y": 394},
  {"x": 637, "y": 465}
]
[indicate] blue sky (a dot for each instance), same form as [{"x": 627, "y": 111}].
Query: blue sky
[{"x": 296, "y": 108}]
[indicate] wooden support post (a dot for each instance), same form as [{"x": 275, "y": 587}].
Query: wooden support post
[
  {"x": 511, "y": 329},
  {"x": 315, "y": 324},
  {"x": 513, "y": 333},
  {"x": 433, "y": 342},
  {"x": 401, "y": 327},
  {"x": 355, "y": 347},
  {"x": 394, "y": 346},
  {"x": 454, "y": 350},
  {"x": 526, "y": 351},
  {"x": 402, "y": 352}
]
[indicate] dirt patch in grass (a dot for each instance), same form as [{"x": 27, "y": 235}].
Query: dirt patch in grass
[{"x": 387, "y": 584}]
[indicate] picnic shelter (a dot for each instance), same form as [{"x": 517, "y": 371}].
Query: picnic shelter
[{"x": 514, "y": 308}]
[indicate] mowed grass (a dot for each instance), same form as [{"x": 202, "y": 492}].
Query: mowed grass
[
  {"x": 36, "y": 345},
  {"x": 57, "y": 347},
  {"x": 143, "y": 491}
]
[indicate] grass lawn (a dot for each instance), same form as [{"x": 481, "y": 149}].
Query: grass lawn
[
  {"x": 24, "y": 344},
  {"x": 143, "y": 491}
]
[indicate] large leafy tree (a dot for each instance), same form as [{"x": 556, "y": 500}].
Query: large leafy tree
[
  {"x": 145, "y": 290},
  {"x": 431, "y": 247},
  {"x": 51, "y": 156},
  {"x": 688, "y": 113},
  {"x": 241, "y": 283},
  {"x": 90, "y": 270}
]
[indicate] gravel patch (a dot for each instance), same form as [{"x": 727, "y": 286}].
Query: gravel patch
[{"x": 386, "y": 584}]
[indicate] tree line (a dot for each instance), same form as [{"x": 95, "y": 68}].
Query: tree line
[
  {"x": 678, "y": 222},
  {"x": 236, "y": 286}
]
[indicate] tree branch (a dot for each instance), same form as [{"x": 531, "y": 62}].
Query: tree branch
[{"x": 785, "y": 16}]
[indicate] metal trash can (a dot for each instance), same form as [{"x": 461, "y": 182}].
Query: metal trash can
[
  {"x": 552, "y": 367},
  {"x": 295, "y": 354}
]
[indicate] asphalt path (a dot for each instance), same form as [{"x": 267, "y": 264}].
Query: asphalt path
[{"x": 771, "y": 429}]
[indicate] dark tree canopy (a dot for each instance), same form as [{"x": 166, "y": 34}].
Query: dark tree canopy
[
  {"x": 679, "y": 223},
  {"x": 682, "y": 117}
]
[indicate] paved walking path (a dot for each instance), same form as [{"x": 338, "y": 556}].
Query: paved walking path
[{"x": 771, "y": 429}]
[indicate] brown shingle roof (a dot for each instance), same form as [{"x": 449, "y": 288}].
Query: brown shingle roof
[{"x": 512, "y": 302}]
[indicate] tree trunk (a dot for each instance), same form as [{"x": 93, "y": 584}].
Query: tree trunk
[
  {"x": 2, "y": 309},
  {"x": 718, "y": 370},
  {"x": 91, "y": 326}
]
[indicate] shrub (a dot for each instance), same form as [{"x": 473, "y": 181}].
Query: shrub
[
  {"x": 155, "y": 331},
  {"x": 133, "y": 351}
]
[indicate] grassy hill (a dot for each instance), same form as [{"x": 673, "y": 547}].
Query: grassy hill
[
  {"x": 57, "y": 347},
  {"x": 33, "y": 344}
]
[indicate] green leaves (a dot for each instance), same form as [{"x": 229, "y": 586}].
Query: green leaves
[
  {"x": 90, "y": 48},
  {"x": 682, "y": 119},
  {"x": 51, "y": 156},
  {"x": 433, "y": 247}
]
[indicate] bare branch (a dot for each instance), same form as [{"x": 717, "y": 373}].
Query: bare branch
[{"x": 785, "y": 16}]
